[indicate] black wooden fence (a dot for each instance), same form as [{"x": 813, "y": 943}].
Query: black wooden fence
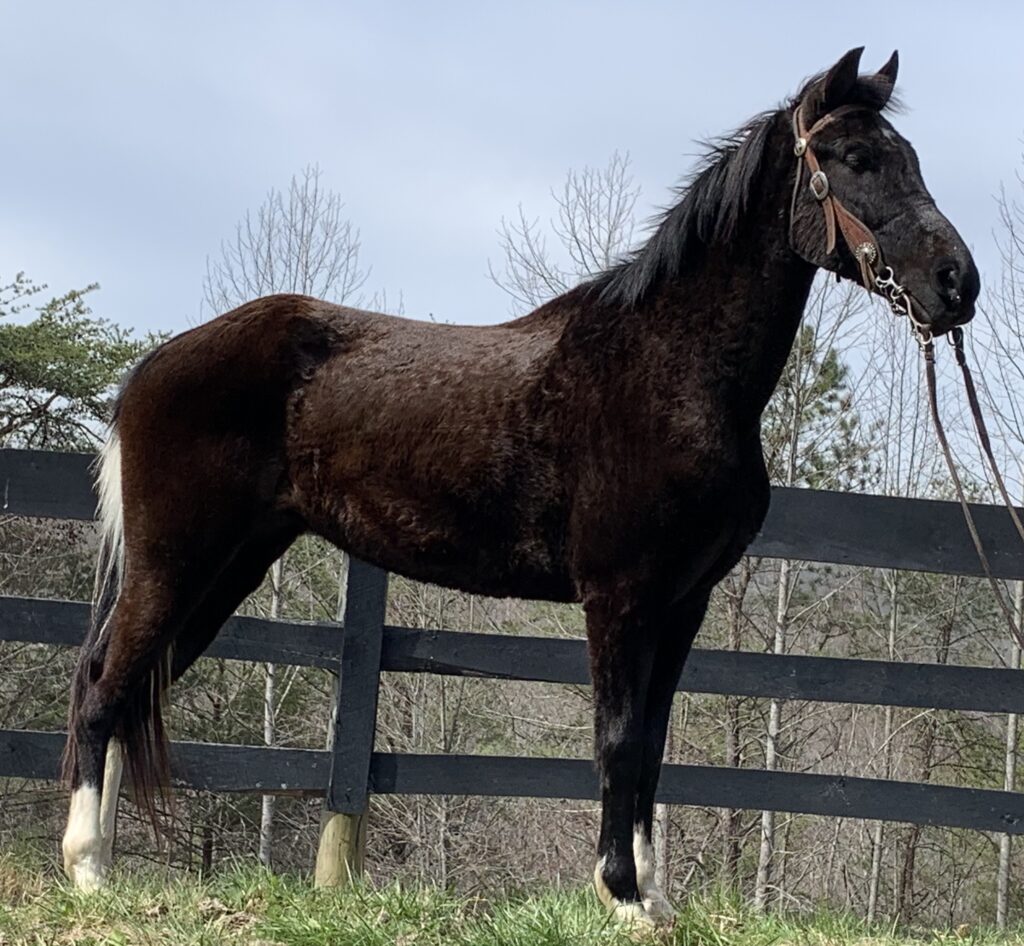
[{"x": 809, "y": 525}]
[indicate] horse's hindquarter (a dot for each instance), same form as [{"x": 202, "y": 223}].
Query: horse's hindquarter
[{"x": 422, "y": 448}]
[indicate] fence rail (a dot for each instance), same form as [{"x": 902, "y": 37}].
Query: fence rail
[
  {"x": 811, "y": 525},
  {"x": 803, "y": 524}
]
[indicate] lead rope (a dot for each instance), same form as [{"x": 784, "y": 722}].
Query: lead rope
[{"x": 928, "y": 353}]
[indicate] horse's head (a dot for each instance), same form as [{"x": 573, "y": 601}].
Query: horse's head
[{"x": 860, "y": 207}]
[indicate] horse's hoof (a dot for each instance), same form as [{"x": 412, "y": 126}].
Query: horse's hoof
[
  {"x": 658, "y": 908},
  {"x": 633, "y": 916},
  {"x": 85, "y": 875}
]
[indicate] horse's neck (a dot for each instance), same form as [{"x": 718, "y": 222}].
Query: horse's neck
[{"x": 730, "y": 320}]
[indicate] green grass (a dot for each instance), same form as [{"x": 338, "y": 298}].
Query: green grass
[{"x": 253, "y": 907}]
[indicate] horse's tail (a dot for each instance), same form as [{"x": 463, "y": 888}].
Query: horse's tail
[{"x": 138, "y": 726}]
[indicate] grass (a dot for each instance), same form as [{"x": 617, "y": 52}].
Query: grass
[{"x": 252, "y": 907}]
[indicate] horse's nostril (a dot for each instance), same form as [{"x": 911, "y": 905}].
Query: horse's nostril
[
  {"x": 949, "y": 277},
  {"x": 949, "y": 281}
]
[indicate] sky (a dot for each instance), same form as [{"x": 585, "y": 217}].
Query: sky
[{"x": 136, "y": 135}]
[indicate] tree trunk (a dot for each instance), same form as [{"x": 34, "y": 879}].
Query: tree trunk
[
  {"x": 877, "y": 834},
  {"x": 209, "y": 831},
  {"x": 731, "y": 825},
  {"x": 1010, "y": 776},
  {"x": 905, "y": 889},
  {"x": 662, "y": 841},
  {"x": 767, "y": 849},
  {"x": 269, "y": 713}
]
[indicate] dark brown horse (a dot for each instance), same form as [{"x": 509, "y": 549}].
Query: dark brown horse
[{"x": 603, "y": 449}]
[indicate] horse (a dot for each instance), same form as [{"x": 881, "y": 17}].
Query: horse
[{"x": 603, "y": 449}]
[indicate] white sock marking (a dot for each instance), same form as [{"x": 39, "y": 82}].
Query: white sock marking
[
  {"x": 655, "y": 902},
  {"x": 82, "y": 840}
]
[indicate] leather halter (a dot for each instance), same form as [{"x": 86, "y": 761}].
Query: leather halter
[{"x": 859, "y": 239}]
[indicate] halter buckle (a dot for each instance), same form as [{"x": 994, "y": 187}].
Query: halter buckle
[
  {"x": 799, "y": 147},
  {"x": 819, "y": 185}
]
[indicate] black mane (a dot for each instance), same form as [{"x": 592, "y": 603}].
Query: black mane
[
  {"x": 711, "y": 204},
  {"x": 713, "y": 199}
]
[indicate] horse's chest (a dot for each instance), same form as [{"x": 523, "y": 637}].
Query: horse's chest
[{"x": 727, "y": 527}]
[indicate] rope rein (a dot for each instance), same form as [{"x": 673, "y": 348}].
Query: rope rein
[{"x": 928, "y": 353}]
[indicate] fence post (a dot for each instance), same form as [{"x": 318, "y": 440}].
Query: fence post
[{"x": 343, "y": 828}]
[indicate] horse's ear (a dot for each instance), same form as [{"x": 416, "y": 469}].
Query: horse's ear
[
  {"x": 885, "y": 79},
  {"x": 840, "y": 80},
  {"x": 890, "y": 70},
  {"x": 835, "y": 87}
]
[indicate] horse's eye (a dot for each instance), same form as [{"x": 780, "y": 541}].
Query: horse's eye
[{"x": 858, "y": 159}]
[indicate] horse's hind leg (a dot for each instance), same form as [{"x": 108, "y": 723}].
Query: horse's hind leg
[
  {"x": 136, "y": 652},
  {"x": 119, "y": 691},
  {"x": 239, "y": 579}
]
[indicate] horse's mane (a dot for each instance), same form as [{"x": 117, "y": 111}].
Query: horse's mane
[{"x": 712, "y": 200}]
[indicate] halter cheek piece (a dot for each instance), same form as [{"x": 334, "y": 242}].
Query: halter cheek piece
[{"x": 857, "y": 236}]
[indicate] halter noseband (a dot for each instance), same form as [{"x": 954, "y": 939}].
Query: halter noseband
[{"x": 859, "y": 239}]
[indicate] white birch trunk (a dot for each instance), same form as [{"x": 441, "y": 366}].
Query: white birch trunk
[
  {"x": 1009, "y": 778},
  {"x": 878, "y": 834},
  {"x": 767, "y": 849},
  {"x": 662, "y": 844},
  {"x": 269, "y": 727}
]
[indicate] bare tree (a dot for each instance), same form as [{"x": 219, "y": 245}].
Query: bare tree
[
  {"x": 592, "y": 227},
  {"x": 297, "y": 240}
]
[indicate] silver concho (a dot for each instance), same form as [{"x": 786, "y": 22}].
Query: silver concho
[
  {"x": 819, "y": 185},
  {"x": 867, "y": 252}
]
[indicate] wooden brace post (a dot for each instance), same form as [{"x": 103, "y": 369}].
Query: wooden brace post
[{"x": 341, "y": 853}]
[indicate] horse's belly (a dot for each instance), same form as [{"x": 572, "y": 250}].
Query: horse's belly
[{"x": 478, "y": 550}]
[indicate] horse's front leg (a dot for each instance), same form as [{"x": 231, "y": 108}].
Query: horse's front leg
[
  {"x": 621, "y": 639},
  {"x": 677, "y": 629}
]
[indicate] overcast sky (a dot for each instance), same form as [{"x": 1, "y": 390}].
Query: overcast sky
[{"x": 136, "y": 134}]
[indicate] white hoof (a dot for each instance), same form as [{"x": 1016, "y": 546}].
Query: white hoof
[
  {"x": 632, "y": 916},
  {"x": 86, "y": 874},
  {"x": 658, "y": 907}
]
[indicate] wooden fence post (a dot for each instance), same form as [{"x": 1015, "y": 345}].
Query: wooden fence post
[{"x": 343, "y": 828}]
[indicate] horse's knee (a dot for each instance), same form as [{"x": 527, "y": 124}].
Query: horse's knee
[{"x": 619, "y": 750}]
